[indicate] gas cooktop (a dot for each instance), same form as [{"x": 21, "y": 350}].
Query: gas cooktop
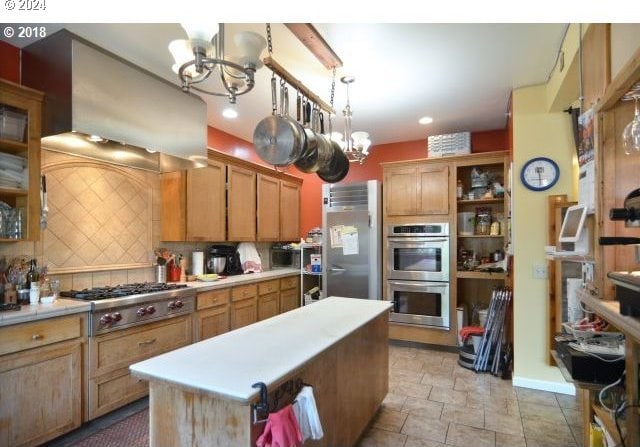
[{"x": 119, "y": 291}]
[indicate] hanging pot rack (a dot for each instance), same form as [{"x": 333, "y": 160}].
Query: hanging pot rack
[{"x": 297, "y": 84}]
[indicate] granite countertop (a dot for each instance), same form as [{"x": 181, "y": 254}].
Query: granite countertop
[
  {"x": 236, "y": 280},
  {"x": 228, "y": 364},
  {"x": 35, "y": 312}
]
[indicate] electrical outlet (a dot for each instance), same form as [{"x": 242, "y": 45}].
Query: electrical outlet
[{"x": 540, "y": 271}]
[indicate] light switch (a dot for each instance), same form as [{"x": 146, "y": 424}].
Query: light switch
[{"x": 540, "y": 271}]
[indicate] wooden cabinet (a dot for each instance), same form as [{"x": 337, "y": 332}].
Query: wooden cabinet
[
  {"x": 20, "y": 105},
  {"x": 244, "y": 305},
  {"x": 41, "y": 380},
  {"x": 289, "y": 293},
  {"x": 422, "y": 191},
  {"x": 268, "y": 299},
  {"x": 110, "y": 355},
  {"x": 193, "y": 204},
  {"x": 268, "y": 211},
  {"x": 241, "y": 203},
  {"x": 289, "y": 211},
  {"x": 417, "y": 189},
  {"x": 212, "y": 315},
  {"x": 473, "y": 243}
]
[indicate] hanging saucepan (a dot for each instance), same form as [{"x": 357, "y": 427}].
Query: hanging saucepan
[
  {"x": 338, "y": 166},
  {"x": 278, "y": 140},
  {"x": 308, "y": 161},
  {"x": 325, "y": 149}
]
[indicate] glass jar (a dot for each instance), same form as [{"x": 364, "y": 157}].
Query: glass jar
[{"x": 483, "y": 221}]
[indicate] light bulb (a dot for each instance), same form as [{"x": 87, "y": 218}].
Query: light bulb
[
  {"x": 200, "y": 31},
  {"x": 181, "y": 52},
  {"x": 251, "y": 45},
  {"x": 230, "y": 113}
]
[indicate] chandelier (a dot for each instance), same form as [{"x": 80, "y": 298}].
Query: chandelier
[
  {"x": 203, "y": 53},
  {"x": 355, "y": 144}
]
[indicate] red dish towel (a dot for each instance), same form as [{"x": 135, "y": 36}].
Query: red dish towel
[
  {"x": 468, "y": 331},
  {"x": 281, "y": 430}
]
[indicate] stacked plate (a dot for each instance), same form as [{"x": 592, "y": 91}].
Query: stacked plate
[{"x": 13, "y": 171}]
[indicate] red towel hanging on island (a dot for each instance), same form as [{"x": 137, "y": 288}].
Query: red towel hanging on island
[{"x": 281, "y": 430}]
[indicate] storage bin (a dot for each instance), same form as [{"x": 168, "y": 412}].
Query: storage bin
[
  {"x": 12, "y": 124},
  {"x": 466, "y": 223},
  {"x": 449, "y": 144}
]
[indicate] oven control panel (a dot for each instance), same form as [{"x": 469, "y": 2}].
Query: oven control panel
[{"x": 424, "y": 229}]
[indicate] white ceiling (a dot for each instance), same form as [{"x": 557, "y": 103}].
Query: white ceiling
[{"x": 459, "y": 74}]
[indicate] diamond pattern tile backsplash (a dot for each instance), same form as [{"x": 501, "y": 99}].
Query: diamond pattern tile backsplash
[{"x": 100, "y": 217}]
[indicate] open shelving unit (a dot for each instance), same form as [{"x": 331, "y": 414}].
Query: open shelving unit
[
  {"x": 309, "y": 279},
  {"x": 474, "y": 287},
  {"x": 26, "y": 102}
]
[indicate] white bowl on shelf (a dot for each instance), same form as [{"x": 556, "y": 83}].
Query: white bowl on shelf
[{"x": 47, "y": 299}]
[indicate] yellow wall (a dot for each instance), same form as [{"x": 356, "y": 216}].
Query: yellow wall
[{"x": 536, "y": 132}]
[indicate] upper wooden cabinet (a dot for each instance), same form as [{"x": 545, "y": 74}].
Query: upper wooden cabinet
[
  {"x": 241, "y": 203},
  {"x": 193, "y": 204},
  {"x": 20, "y": 110},
  {"x": 268, "y": 212},
  {"x": 230, "y": 199},
  {"x": 289, "y": 211},
  {"x": 416, "y": 189}
]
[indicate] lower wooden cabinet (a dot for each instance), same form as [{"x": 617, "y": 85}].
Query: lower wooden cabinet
[
  {"x": 212, "y": 316},
  {"x": 41, "y": 387},
  {"x": 289, "y": 293},
  {"x": 268, "y": 305},
  {"x": 243, "y": 312},
  {"x": 110, "y": 355}
]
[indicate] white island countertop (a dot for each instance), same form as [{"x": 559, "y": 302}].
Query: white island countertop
[{"x": 228, "y": 364}]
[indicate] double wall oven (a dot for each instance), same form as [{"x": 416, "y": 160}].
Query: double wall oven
[{"x": 418, "y": 274}]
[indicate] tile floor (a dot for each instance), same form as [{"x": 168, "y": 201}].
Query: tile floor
[{"x": 434, "y": 402}]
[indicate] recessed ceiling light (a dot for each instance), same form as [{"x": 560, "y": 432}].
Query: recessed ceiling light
[
  {"x": 425, "y": 120},
  {"x": 230, "y": 113}
]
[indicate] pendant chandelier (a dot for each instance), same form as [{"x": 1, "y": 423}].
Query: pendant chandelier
[
  {"x": 354, "y": 144},
  {"x": 203, "y": 54}
]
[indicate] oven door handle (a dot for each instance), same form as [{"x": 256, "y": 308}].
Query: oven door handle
[
  {"x": 403, "y": 240},
  {"x": 411, "y": 285}
]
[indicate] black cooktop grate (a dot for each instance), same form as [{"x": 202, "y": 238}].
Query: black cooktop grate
[
  {"x": 102, "y": 293},
  {"x": 9, "y": 306}
]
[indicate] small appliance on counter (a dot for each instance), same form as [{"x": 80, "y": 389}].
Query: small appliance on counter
[
  {"x": 224, "y": 259},
  {"x": 284, "y": 255}
]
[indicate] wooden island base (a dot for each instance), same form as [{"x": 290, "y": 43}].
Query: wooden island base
[{"x": 349, "y": 379}]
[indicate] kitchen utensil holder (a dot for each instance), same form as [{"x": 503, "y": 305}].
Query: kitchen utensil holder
[
  {"x": 161, "y": 273},
  {"x": 263, "y": 407}
]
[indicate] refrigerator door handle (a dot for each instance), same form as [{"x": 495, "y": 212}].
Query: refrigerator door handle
[{"x": 337, "y": 269}]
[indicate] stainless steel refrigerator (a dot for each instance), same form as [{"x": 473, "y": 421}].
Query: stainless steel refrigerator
[{"x": 351, "y": 230}]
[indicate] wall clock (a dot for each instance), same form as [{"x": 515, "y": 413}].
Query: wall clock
[{"x": 540, "y": 174}]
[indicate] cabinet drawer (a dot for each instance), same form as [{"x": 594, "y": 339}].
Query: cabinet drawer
[
  {"x": 212, "y": 298},
  {"x": 290, "y": 282},
  {"x": 39, "y": 333},
  {"x": 243, "y": 312},
  {"x": 268, "y": 305},
  {"x": 114, "y": 390},
  {"x": 244, "y": 292},
  {"x": 268, "y": 287},
  {"x": 122, "y": 348}
]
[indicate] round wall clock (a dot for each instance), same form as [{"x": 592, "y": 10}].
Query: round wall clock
[{"x": 540, "y": 173}]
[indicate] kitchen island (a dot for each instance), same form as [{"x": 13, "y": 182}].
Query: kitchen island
[{"x": 202, "y": 394}]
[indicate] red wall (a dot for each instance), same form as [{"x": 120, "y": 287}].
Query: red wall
[
  {"x": 10, "y": 66},
  {"x": 311, "y": 208}
]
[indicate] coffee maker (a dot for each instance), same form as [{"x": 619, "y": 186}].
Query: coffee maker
[{"x": 232, "y": 266}]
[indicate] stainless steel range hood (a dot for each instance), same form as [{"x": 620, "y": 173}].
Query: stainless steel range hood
[{"x": 89, "y": 91}]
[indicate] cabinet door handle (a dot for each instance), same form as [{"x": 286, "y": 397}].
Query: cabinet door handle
[
  {"x": 147, "y": 342},
  {"x": 37, "y": 337}
]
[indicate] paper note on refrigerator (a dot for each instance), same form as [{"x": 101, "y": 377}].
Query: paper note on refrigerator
[
  {"x": 335, "y": 233},
  {"x": 349, "y": 241}
]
